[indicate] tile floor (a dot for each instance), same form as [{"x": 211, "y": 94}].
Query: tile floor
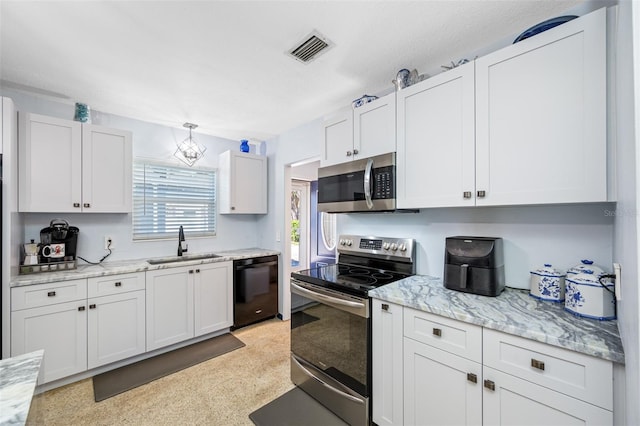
[{"x": 220, "y": 391}]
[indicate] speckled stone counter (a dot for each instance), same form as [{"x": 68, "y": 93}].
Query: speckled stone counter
[
  {"x": 18, "y": 378},
  {"x": 139, "y": 265},
  {"x": 513, "y": 312}
]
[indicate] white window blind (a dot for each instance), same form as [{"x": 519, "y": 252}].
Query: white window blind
[{"x": 165, "y": 197}]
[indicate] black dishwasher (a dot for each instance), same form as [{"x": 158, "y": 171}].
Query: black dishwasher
[{"x": 255, "y": 290}]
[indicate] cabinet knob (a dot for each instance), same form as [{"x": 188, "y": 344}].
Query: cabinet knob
[
  {"x": 191, "y": 271},
  {"x": 197, "y": 271},
  {"x": 490, "y": 385},
  {"x": 355, "y": 152},
  {"x": 86, "y": 205},
  {"x": 118, "y": 284},
  {"x": 385, "y": 307},
  {"x": 233, "y": 208},
  {"x": 466, "y": 194},
  {"x": 349, "y": 153},
  {"x": 92, "y": 306},
  {"x": 437, "y": 332},
  {"x": 81, "y": 308},
  {"x": 481, "y": 194},
  {"x": 472, "y": 378},
  {"x": 537, "y": 364},
  {"x": 51, "y": 294},
  {"x": 76, "y": 205}
]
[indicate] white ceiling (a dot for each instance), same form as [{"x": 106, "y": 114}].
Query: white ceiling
[{"x": 222, "y": 64}]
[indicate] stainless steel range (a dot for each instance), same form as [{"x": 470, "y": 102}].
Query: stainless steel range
[{"x": 331, "y": 321}]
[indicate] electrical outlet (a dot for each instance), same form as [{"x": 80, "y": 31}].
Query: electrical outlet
[
  {"x": 617, "y": 270},
  {"x": 108, "y": 242},
  {"x": 277, "y": 236}
]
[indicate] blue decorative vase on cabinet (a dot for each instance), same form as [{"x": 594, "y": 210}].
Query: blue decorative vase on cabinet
[{"x": 244, "y": 145}]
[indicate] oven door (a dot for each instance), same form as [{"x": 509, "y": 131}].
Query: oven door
[
  {"x": 330, "y": 351},
  {"x": 359, "y": 185}
]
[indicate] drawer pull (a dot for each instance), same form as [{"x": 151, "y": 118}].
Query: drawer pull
[
  {"x": 490, "y": 385},
  {"x": 81, "y": 308},
  {"x": 537, "y": 364},
  {"x": 385, "y": 307},
  {"x": 259, "y": 311},
  {"x": 92, "y": 306},
  {"x": 481, "y": 194},
  {"x": 118, "y": 284},
  {"x": 191, "y": 271},
  {"x": 76, "y": 205},
  {"x": 51, "y": 294},
  {"x": 437, "y": 332},
  {"x": 472, "y": 378},
  {"x": 87, "y": 205},
  {"x": 197, "y": 271},
  {"x": 466, "y": 194}
]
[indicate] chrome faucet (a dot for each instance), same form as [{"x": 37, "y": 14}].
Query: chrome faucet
[{"x": 181, "y": 247}]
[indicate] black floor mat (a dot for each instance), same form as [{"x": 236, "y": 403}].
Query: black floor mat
[
  {"x": 295, "y": 408},
  {"x": 130, "y": 376}
]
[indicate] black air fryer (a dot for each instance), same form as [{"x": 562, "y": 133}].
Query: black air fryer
[{"x": 474, "y": 265}]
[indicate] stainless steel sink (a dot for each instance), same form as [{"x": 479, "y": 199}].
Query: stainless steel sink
[{"x": 177, "y": 259}]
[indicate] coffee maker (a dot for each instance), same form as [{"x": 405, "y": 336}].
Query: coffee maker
[
  {"x": 474, "y": 265},
  {"x": 59, "y": 232}
]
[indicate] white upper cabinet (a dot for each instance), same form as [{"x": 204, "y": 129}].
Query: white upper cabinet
[
  {"x": 367, "y": 131},
  {"x": 69, "y": 167},
  {"x": 337, "y": 144},
  {"x": 243, "y": 183},
  {"x": 541, "y": 117},
  {"x": 436, "y": 146}
]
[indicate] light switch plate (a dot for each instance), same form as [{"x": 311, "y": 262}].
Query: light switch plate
[{"x": 617, "y": 270}]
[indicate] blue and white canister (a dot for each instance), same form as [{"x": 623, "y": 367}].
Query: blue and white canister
[
  {"x": 587, "y": 297},
  {"x": 547, "y": 283},
  {"x": 587, "y": 266}
]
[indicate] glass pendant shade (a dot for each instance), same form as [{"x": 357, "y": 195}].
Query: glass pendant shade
[{"x": 189, "y": 151}]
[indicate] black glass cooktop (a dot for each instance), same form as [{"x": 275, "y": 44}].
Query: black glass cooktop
[{"x": 352, "y": 279}]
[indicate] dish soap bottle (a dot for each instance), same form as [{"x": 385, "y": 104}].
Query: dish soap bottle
[{"x": 244, "y": 145}]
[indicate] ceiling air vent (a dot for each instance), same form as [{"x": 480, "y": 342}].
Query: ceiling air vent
[{"x": 310, "y": 48}]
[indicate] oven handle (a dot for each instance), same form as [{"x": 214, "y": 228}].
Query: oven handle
[
  {"x": 323, "y": 298},
  {"x": 367, "y": 183},
  {"x": 328, "y": 386}
]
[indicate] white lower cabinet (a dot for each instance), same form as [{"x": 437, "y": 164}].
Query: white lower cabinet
[
  {"x": 455, "y": 373},
  {"x": 59, "y": 329},
  {"x": 440, "y": 388},
  {"x": 116, "y": 320},
  {"x": 179, "y": 297}
]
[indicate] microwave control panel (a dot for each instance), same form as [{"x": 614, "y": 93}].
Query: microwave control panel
[{"x": 383, "y": 183}]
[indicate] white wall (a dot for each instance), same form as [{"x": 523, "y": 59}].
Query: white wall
[
  {"x": 150, "y": 141},
  {"x": 625, "y": 122}
]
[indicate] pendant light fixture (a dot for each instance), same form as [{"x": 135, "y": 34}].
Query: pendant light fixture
[{"x": 189, "y": 151}]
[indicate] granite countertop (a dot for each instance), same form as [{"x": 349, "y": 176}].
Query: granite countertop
[
  {"x": 513, "y": 312},
  {"x": 18, "y": 378},
  {"x": 137, "y": 265}
]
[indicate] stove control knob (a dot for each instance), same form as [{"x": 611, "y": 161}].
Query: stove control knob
[
  {"x": 385, "y": 246},
  {"x": 349, "y": 242},
  {"x": 341, "y": 242},
  {"x": 402, "y": 247},
  {"x": 394, "y": 247}
]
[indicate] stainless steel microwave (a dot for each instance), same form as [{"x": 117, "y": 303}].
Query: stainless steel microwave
[{"x": 366, "y": 185}]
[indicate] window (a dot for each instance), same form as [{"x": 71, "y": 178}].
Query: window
[
  {"x": 166, "y": 196},
  {"x": 328, "y": 228}
]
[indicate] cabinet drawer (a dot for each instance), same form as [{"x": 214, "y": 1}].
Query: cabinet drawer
[
  {"x": 578, "y": 375},
  {"x": 33, "y": 296},
  {"x": 115, "y": 284},
  {"x": 453, "y": 336}
]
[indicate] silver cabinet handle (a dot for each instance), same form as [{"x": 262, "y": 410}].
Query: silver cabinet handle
[
  {"x": 472, "y": 378},
  {"x": 118, "y": 284},
  {"x": 481, "y": 194},
  {"x": 385, "y": 307},
  {"x": 349, "y": 153},
  {"x": 437, "y": 332},
  {"x": 466, "y": 194},
  {"x": 86, "y": 205},
  {"x": 76, "y": 205},
  {"x": 355, "y": 152},
  {"x": 490, "y": 385},
  {"x": 367, "y": 183}
]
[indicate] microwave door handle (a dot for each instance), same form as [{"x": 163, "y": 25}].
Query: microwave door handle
[{"x": 367, "y": 183}]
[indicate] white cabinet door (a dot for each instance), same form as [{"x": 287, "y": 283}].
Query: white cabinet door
[
  {"x": 243, "y": 183},
  {"x": 436, "y": 145},
  {"x": 169, "y": 306},
  {"x": 50, "y": 171},
  {"x": 337, "y": 146},
  {"x": 541, "y": 117},
  {"x": 116, "y": 327},
  {"x": 60, "y": 329},
  {"x": 213, "y": 297},
  {"x": 387, "y": 337},
  {"x": 106, "y": 171},
  {"x": 515, "y": 401},
  {"x": 440, "y": 388},
  {"x": 374, "y": 128}
]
